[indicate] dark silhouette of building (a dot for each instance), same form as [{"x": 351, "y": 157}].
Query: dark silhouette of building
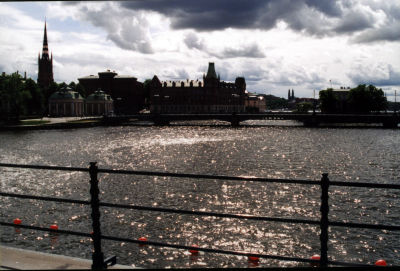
[
  {"x": 290, "y": 96},
  {"x": 193, "y": 96},
  {"x": 45, "y": 63},
  {"x": 127, "y": 93}
]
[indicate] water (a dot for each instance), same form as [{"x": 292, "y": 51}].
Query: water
[{"x": 368, "y": 155}]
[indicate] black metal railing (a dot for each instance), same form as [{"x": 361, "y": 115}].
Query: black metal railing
[{"x": 98, "y": 261}]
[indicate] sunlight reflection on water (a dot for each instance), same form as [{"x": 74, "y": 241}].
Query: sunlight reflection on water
[{"x": 369, "y": 155}]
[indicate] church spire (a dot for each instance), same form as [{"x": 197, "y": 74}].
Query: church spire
[
  {"x": 45, "y": 52},
  {"x": 45, "y": 72}
]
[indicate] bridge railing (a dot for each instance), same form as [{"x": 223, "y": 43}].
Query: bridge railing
[{"x": 98, "y": 258}]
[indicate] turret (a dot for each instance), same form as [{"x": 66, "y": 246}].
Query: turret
[
  {"x": 211, "y": 78},
  {"x": 240, "y": 83}
]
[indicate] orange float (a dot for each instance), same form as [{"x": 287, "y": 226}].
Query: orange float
[
  {"x": 253, "y": 258},
  {"x": 380, "y": 263},
  {"x": 194, "y": 251},
  {"x": 54, "y": 227}
]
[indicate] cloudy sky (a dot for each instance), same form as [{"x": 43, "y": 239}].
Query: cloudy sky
[{"x": 275, "y": 44}]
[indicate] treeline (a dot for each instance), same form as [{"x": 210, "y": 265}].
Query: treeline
[
  {"x": 360, "y": 100},
  {"x": 274, "y": 102},
  {"x": 21, "y": 98}
]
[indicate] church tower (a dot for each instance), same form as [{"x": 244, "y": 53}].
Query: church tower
[
  {"x": 211, "y": 79},
  {"x": 45, "y": 72}
]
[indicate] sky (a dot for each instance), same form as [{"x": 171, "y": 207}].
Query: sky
[{"x": 276, "y": 45}]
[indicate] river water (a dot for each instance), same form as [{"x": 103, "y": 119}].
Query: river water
[{"x": 368, "y": 155}]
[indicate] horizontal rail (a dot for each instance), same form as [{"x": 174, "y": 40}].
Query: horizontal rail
[
  {"x": 201, "y": 213},
  {"x": 364, "y": 226},
  {"x": 45, "y": 167},
  {"x": 276, "y": 257},
  {"x": 228, "y": 252},
  {"x": 209, "y": 177},
  {"x": 77, "y": 233},
  {"x": 22, "y": 196},
  {"x": 205, "y": 176},
  {"x": 366, "y": 185}
]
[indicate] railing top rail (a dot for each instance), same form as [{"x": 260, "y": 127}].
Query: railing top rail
[
  {"x": 205, "y": 176},
  {"x": 44, "y": 167}
]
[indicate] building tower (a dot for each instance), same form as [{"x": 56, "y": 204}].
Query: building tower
[
  {"x": 211, "y": 79},
  {"x": 45, "y": 72}
]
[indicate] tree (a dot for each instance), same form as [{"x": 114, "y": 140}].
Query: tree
[
  {"x": 328, "y": 101},
  {"x": 146, "y": 88},
  {"x": 35, "y": 105},
  {"x": 81, "y": 90},
  {"x": 365, "y": 99},
  {"x": 304, "y": 107}
]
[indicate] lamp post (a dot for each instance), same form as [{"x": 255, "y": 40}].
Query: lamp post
[{"x": 314, "y": 104}]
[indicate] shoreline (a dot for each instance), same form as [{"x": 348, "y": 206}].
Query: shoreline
[{"x": 97, "y": 123}]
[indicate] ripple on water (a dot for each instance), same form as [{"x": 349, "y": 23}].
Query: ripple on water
[{"x": 368, "y": 155}]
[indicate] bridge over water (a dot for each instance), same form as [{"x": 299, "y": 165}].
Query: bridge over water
[{"x": 388, "y": 120}]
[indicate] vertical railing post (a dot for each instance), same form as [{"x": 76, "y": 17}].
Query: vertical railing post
[
  {"x": 97, "y": 256},
  {"x": 324, "y": 224}
]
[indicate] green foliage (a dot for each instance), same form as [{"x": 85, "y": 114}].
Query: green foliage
[
  {"x": 81, "y": 90},
  {"x": 304, "y": 107},
  {"x": 360, "y": 100},
  {"x": 328, "y": 101},
  {"x": 365, "y": 99},
  {"x": 274, "y": 102},
  {"x": 19, "y": 97},
  {"x": 36, "y": 104}
]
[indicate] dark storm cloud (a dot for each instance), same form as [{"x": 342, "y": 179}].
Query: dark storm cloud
[
  {"x": 387, "y": 33},
  {"x": 220, "y": 14},
  {"x": 355, "y": 21},
  {"x": 314, "y": 17}
]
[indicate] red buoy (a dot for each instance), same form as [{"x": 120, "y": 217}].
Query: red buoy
[
  {"x": 54, "y": 227},
  {"x": 17, "y": 221},
  {"x": 194, "y": 251},
  {"x": 316, "y": 257},
  {"x": 142, "y": 239},
  {"x": 380, "y": 263},
  {"x": 253, "y": 258}
]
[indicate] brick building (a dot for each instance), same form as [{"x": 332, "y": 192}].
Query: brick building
[
  {"x": 255, "y": 103},
  {"x": 128, "y": 94},
  {"x": 193, "y": 96}
]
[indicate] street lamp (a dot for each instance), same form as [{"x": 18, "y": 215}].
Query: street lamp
[{"x": 314, "y": 103}]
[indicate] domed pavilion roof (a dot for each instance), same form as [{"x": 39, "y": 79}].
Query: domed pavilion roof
[
  {"x": 66, "y": 93},
  {"x": 99, "y": 95}
]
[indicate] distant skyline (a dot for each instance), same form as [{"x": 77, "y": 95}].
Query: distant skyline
[{"x": 276, "y": 45}]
